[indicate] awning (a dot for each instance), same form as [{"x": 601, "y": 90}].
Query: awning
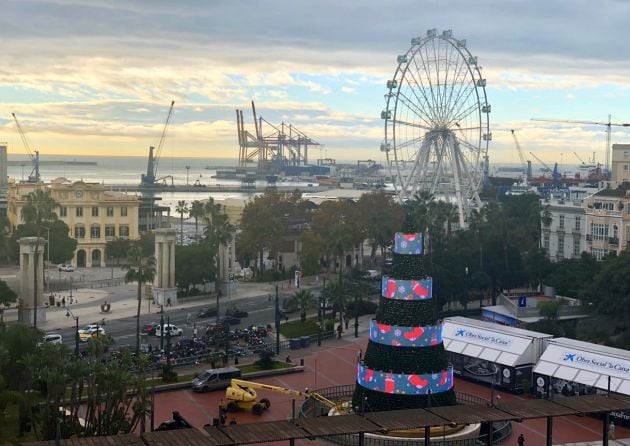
[
  {"x": 491, "y": 342},
  {"x": 585, "y": 363}
]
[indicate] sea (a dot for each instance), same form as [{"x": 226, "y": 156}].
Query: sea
[{"x": 126, "y": 170}]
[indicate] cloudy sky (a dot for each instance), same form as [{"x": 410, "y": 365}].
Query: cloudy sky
[{"x": 96, "y": 77}]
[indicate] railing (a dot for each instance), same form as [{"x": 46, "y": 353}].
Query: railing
[
  {"x": 613, "y": 240},
  {"x": 313, "y": 408}
]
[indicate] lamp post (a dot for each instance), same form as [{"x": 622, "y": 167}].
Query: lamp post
[
  {"x": 319, "y": 320},
  {"x": 187, "y": 170},
  {"x": 356, "y": 313},
  {"x": 466, "y": 291},
  {"x": 76, "y": 332},
  {"x": 47, "y": 277}
]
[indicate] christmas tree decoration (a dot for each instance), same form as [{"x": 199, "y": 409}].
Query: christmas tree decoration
[{"x": 405, "y": 364}]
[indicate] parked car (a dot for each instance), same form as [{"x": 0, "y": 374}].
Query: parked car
[
  {"x": 52, "y": 338},
  {"x": 172, "y": 329},
  {"x": 150, "y": 328},
  {"x": 207, "y": 312},
  {"x": 371, "y": 274},
  {"x": 65, "y": 267}
]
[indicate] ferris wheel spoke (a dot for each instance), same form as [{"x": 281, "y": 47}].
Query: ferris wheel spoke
[
  {"x": 427, "y": 70},
  {"x": 464, "y": 97},
  {"x": 452, "y": 54},
  {"x": 413, "y": 107},
  {"x": 457, "y": 81},
  {"x": 464, "y": 113},
  {"x": 409, "y": 124},
  {"x": 422, "y": 88},
  {"x": 410, "y": 142}
]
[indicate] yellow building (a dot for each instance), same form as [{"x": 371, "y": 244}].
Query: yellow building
[
  {"x": 93, "y": 214},
  {"x": 608, "y": 221}
]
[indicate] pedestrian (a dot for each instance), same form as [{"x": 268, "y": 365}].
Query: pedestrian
[
  {"x": 63, "y": 302},
  {"x": 195, "y": 331},
  {"x": 339, "y": 330},
  {"x": 188, "y": 316},
  {"x": 521, "y": 440},
  {"x": 233, "y": 421},
  {"x": 288, "y": 360},
  {"x": 347, "y": 320},
  {"x": 168, "y": 302},
  {"x": 611, "y": 431}
]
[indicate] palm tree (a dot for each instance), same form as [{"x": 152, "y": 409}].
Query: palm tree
[
  {"x": 197, "y": 211},
  {"x": 218, "y": 233},
  {"x": 141, "y": 270},
  {"x": 181, "y": 209},
  {"x": 39, "y": 208},
  {"x": 304, "y": 300}
]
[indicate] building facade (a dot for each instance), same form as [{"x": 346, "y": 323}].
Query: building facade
[
  {"x": 620, "y": 165},
  {"x": 608, "y": 221},
  {"x": 564, "y": 231},
  {"x": 93, "y": 214}
]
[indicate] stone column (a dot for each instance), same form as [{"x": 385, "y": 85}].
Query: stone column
[
  {"x": 32, "y": 288},
  {"x": 164, "y": 289}
]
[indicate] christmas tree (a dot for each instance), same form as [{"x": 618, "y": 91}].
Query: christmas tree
[{"x": 405, "y": 363}]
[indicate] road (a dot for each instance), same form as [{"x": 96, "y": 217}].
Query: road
[{"x": 261, "y": 312}]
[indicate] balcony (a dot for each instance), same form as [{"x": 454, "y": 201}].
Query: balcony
[
  {"x": 589, "y": 237},
  {"x": 613, "y": 240}
]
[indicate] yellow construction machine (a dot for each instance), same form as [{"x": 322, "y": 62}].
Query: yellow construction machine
[{"x": 241, "y": 395}]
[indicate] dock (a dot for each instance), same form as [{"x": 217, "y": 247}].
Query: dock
[{"x": 215, "y": 188}]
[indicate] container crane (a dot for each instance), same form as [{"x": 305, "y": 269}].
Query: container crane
[
  {"x": 608, "y": 131},
  {"x": 33, "y": 153},
  {"x": 150, "y": 179},
  {"x": 527, "y": 165},
  {"x": 242, "y": 395}
]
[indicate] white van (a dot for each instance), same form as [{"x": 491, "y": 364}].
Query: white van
[{"x": 213, "y": 379}]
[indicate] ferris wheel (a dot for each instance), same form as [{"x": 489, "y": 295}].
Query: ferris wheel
[{"x": 437, "y": 122}]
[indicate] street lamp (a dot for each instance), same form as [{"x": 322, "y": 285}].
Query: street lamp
[
  {"x": 466, "y": 291},
  {"x": 76, "y": 332},
  {"x": 187, "y": 170},
  {"x": 47, "y": 258}
]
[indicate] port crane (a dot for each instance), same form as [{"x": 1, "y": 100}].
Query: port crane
[
  {"x": 608, "y": 125},
  {"x": 527, "y": 165},
  {"x": 150, "y": 179},
  {"x": 32, "y": 152},
  {"x": 241, "y": 395},
  {"x": 555, "y": 173}
]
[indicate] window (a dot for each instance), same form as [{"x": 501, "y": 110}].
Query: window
[
  {"x": 79, "y": 232},
  {"x": 110, "y": 212},
  {"x": 63, "y": 211},
  {"x": 560, "y": 247},
  {"x": 598, "y": 254},
  {"x": 546, "y": 241},
  {"x": 94, "y": 211},
  {"x": 124, "y": 231},
  {"x": 95, "y": 231},
  {"x": 578, "y": 223},
  {"x": 110, "y": 231},
  {"x": 123, "y": 211},
  {"x": 599, "y": 231},
  {"x": 561, "y": 224},
  {"x": 79, "y": 212},
  {"x": 625, "y": 167},
  {"x": 615, "y": 231},
  {"x": 576, "y": 247}
]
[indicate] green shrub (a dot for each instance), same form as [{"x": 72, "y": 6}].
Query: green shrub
[
  {"x": 168, "y": 374},
  {"x": 265, "y": 360}
]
